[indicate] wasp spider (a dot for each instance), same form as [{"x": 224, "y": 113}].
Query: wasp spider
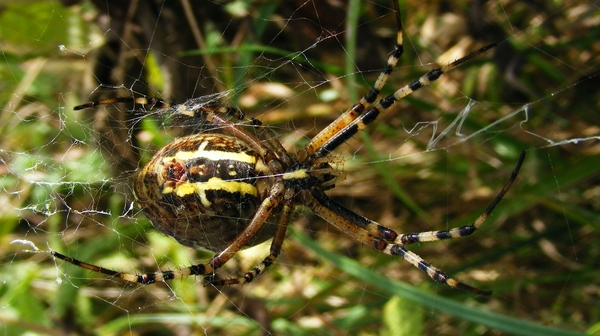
[{"x": 217, "y": 190}]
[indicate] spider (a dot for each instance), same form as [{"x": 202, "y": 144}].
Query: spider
[{"x": 217, "y": 190}]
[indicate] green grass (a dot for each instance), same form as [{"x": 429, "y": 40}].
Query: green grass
[{"x": 66, "y": 175}]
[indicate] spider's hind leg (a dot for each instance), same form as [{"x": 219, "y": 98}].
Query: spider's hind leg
[
  {"x": 389, "y": 242},
  {"x": 268, "y": 261},
  {"x": 361, "y": 229},
  {"x": 144, "y": 279}
]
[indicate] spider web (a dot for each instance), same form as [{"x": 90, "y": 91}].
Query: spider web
[{"x": 433, "y": 163}]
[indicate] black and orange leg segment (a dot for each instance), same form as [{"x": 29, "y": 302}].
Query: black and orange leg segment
[
  {"x": 143, "y": 279},
  {"x": 389, "y": 242},
  {"x": 371, "y": 114},
  {"x": 208, "y": 269},
  {"x": 202, "y": 109},
  {"x": 194, "y": 107},
  {"x": 150, "y": 102},
  {"x": 362, "y": 229},
  {"x": 463, "y": 231},
  {"x": 266, "y": 263},
  {"x": 365, "y": 102}
]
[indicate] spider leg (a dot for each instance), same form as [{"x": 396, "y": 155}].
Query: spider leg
[
  {"x": 144, "y": 279},
  {"x": 380, "y": 231},
  {"x": 345, "y": 221},
  {"x": 199, "y": 108},
  {"x": 225, "y": 124},
  {"x": 258, "y": 220},
  {"x": 153, "y": 102},
  {"x": 269, "y": 203},
  {"x": 269, "y": 260},
  {"x": 355, "y": 111},
  {"x": 269, "y": 140},
  {"x": 199, "y": 104},
  {"x": 409, "y": 238},
  {"x": 392, "y": 243},
  {"x": 349, "y": 130}
]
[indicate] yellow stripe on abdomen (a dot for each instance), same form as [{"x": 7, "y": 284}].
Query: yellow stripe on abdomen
[
  {"x": 213, "y": 184},
  {"x": 212, "y": 154}
]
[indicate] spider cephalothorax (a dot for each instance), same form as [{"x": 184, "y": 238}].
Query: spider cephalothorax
[{"x": 237, "y": 187}]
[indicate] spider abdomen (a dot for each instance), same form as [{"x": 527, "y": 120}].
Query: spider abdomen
[{"x": 203, "y": 189}]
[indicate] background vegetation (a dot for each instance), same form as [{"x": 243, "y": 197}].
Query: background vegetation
[{"x": 296, "y": 65}]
